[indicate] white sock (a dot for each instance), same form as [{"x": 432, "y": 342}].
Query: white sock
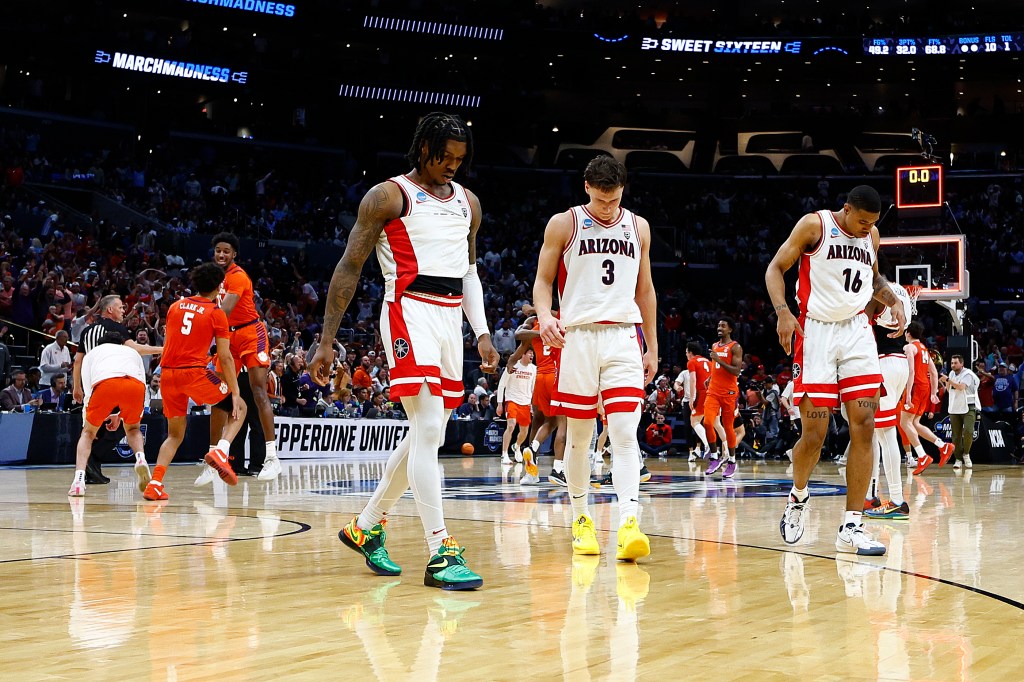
[
  {"x": 888, "y": 441},
  {"x": 271, "y": 449},
  {"x": 702, "y": 434},
  {"x": 534, "y": 445},
  {"x": 919, "y": 449},
  {"x": 853, "y": 517},
  {"x": 800, "y": 494},
  {"x": 435, "y": 538},
  {"x": 79, "y": 475},
  {"x": 938, "y": 442},
  {"x": 577, "y": 464},
  {"x": 140, "y": 456},
  {"x": 559, "y": 466},
  {"x": 223, "y": 445}
]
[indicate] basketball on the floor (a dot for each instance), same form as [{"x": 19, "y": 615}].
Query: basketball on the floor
[{"x": 468, "y": 449}]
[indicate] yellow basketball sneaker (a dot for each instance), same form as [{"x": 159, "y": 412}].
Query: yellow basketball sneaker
[
  {"x": 584, "y": 537},
  {"x": 633, "y": 544}
]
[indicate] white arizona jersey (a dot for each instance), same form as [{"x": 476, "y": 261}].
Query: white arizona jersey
[
  {"x": 887, "y": 319},
  {"x": 836, "y": 278},
  {"x": 431, "y": 238},
  {"x": 598, "y": 272},
  {"x": 516, "y": 385},
  {"x": 885, "y": 324}
]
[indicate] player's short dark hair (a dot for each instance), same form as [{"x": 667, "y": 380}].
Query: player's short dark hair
[
  {"x": 206, "y": 277},
  {"x": 694, "y": 347},
  {"x": 228, "y": 238},
  {"x": 957, "y": 356},
  {"x": 865, "y": 198},
  {"x": 730, "y": 322},
  {"x": 605, "y": 173},
  {"x": 916, "y": 329},
  {"x": 112, "y": 337},
  {"x": 436, "y": 128}
]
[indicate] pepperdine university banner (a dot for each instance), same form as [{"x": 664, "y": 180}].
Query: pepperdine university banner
[{"x": 375, "y": 438}]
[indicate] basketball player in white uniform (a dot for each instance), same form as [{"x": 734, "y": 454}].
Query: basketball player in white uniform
[
  {"x": 423, "y": 226},
  {"x": 835, "y": 359},
  {"x": 599, "y": 254},
  {"x": 515, "y": 400},
  {"x": 893, "y": 362}
]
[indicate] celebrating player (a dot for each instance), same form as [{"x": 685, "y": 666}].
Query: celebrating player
[
  {"x": 193, "y": 324},
  {"x": 514, "y": 397},
  {"x": 250, "y": 348},
  {"x": 723, "y": 396},
  {"x": 922, "y": 397}
]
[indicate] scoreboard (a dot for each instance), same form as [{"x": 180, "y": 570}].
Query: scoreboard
[
  {"x": 919, "y": 187},
  {"x": 938, "y": 45}
]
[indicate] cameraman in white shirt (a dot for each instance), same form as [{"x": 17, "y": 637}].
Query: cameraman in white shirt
[{"x": 962, "y": 385}]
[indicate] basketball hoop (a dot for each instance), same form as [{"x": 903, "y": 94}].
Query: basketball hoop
[{"x": 913, "y": 290}]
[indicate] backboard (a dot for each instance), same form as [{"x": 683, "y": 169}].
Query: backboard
[{"x": 938, "y": 263}]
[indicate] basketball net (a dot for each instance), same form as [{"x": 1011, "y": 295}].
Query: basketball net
[{"x": 913, "y": 290}]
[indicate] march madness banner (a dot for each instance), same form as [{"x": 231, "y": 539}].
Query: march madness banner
[{"x": 364, "y": 438}]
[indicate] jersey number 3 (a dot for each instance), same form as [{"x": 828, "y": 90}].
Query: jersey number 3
[
  {"x": 186, "y": 323},
  {"x": 609, "y": 271}
]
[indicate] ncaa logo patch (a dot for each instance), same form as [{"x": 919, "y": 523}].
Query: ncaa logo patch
[
  {"x": 587, "y": 222},
  {"x": 796, "y": 370},
  {"x": 401, "y": 348},
  {"x": 421, "y": 197},
  {"x": 835, "y": 231}
]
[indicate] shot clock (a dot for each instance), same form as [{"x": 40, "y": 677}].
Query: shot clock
[{"x": 919, "y": 186}]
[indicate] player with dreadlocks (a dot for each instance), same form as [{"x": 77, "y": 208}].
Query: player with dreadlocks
[{"x": 423, "y": 226}]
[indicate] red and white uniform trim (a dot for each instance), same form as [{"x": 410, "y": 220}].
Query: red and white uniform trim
[{"x": 432, "y": 238}]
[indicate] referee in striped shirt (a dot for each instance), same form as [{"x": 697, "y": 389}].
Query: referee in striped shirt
[{"x": 111, "y": 319}]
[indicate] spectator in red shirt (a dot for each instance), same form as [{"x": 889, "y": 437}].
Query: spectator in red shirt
[
  {"x": 361, "y": 377},
  {"x": 658, "y": 437},
  {"x": 987, "y": 380}
]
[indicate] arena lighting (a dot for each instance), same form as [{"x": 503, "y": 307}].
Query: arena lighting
[
  {"x": 433, "y": 28},
  {"x": 167, "y": 67},
  {"x": 278, "y": 9},
  {"x": 412, "y": 96}
]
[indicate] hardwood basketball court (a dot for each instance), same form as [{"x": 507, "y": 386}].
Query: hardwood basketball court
[{"x": 252, "y": 582}]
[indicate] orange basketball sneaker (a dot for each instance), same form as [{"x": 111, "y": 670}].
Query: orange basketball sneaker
[
  {"x": 217, "y": 459},
  {"x": 155, "y": 490}
]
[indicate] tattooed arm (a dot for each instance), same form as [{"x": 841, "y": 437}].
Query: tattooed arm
[
  {"x": 380, "y": 205},
  {"x": 883, "y": 294}
]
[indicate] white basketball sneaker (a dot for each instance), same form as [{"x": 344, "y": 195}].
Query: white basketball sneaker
[
  {"x": 853, "y": 539},
  {"x": 793, "y": 519},
  {"x": 271, "y": 469},
  {"x": 517, "y": 453},
  {"x": 142, "y": 471},
  {"x": 207, "y": 476}
]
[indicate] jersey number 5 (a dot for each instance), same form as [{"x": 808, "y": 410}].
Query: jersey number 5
[
  {"x": 186, "y": 323},
  {"x": 609, "y": 271},
  {"x": 856, "y": 283}
]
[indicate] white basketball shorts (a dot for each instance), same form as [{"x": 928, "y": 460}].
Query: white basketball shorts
[
  {"x": 422, "y": 336},
  {"x": 603, "y": 360},
  {"x": 835, "y": 362},
  {"x": 895, "y": 373}
]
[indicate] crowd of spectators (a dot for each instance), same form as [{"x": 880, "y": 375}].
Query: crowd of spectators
[{"x": 52, "y": 276}]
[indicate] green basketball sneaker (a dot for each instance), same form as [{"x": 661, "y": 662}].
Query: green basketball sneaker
[
  {"x": 371, "y": 545},
  {"x": 447, "y": 569}
]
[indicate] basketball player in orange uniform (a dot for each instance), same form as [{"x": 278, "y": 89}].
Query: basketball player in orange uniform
[
  {"x": 544, "y": 422},
  {"x": 922, "y": 397},
  {"x": 723, "y": 393},
  {"x": 696, "y": 388},
  {"x": 194, "y": 323},
  {"x": 250, "y": 347}
]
